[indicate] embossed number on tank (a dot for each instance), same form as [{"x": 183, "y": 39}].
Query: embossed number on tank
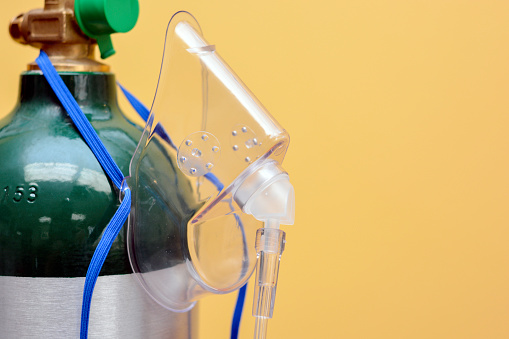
[
  {"x": 6, "y": 194},
  {"x": 19, "y": 194},
  {"x": 33, "y": 193}
]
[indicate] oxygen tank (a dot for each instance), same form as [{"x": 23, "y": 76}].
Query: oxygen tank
[{"x": 56, "y": 199}]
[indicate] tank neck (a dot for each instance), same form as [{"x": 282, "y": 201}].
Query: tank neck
[{"x": 89, "y": 89}]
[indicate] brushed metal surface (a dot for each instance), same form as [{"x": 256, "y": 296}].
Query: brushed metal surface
[{"x": 51, "y": 308}]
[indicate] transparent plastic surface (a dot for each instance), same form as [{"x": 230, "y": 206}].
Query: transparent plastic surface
[
  {"x": 187, "y": 233},
  {"x": 270, "y": 244}
]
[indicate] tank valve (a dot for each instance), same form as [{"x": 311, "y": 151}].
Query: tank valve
[{"x": 68, "y": 30}]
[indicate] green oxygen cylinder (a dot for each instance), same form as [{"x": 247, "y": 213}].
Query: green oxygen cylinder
[{"x": 55, "y": 199}]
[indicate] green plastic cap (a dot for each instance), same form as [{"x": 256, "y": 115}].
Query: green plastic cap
[{"x": 100, "y": 18}]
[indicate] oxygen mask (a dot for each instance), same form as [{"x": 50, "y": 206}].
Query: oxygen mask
[{"x": 229, "y": 150}]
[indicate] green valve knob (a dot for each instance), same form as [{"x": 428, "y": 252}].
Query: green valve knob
[{"x": 100, "y": 18}]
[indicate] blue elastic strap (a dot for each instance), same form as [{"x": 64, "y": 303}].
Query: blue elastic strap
[
  {"x": 110, "y": 167},
  {"x": 73, "y": 109},
  {"x": 144, "y": 113},
  {"x": 115, "y": 225},
  {"x": 237, "y": 314},
  {"x": 214, "y": 180}
]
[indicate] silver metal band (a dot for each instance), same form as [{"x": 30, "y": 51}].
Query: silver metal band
[{"x": 51, "y": 308}]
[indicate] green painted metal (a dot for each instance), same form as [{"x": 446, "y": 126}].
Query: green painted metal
[{"x": 55, "y": 199}]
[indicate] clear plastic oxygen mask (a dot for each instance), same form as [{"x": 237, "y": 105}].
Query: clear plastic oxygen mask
[{"x": 229, "y": 151}]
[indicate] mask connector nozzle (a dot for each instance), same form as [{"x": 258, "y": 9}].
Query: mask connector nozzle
[
  {"x": 268, "y": 195},
  {"x": 270, "y": 244}
]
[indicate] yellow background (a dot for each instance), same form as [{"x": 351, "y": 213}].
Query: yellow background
[{"x": 399, "y": 118}]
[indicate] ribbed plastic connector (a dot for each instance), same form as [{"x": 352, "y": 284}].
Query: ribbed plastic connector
[{"x": 270, "y": 244}]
